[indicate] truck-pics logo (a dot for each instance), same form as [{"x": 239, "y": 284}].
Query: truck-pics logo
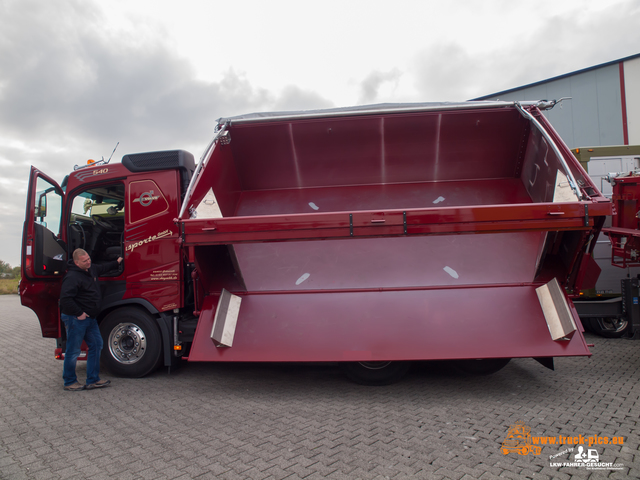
[
  {"x": 133, "y": 246},
  {"x": 519, "y": 440},
  {"x": 146, "y": 198}
]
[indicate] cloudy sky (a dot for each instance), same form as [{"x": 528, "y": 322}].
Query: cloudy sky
[{"x": 77, "y": 76}]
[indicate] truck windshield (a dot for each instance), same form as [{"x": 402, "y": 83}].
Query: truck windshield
[{"x": 96, "y": 223}]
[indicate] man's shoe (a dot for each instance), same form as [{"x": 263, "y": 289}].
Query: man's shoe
[
  {"x": 98, "y": 384},
  {"x": 75, "y": 387}
]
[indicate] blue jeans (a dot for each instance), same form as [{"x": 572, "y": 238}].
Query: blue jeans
[{"x": 77, "y": 331}]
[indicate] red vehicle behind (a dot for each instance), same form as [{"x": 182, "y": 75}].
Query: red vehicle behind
[
  {"x": 611, "y": 309},
  {"x": 371, "y": 236}
]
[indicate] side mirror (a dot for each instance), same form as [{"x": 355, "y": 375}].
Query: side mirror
[{"x": 41, "y": 209}]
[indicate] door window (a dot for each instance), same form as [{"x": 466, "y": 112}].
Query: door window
[{"x": 49, "y": 254}]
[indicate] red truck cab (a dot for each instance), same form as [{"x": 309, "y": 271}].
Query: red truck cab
[{"x": 111, "y": 211}]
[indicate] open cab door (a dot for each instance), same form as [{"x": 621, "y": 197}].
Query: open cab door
[{"x": 43, "y": 252}]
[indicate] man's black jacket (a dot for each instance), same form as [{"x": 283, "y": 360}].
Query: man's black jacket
[{"x": 80, "y": 291}]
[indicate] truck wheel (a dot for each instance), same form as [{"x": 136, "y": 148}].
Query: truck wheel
[
  {"x": 608, "y": 327},
  {"x": 375, "y": 373},
  {"x": 132, "y": 343},
  {"x": 481, "y": 366}
]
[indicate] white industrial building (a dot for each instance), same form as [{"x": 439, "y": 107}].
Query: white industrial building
[{"x": 604, "y": 108}]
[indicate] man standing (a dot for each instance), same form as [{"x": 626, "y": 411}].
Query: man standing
[{"x": 80, "y": 300}]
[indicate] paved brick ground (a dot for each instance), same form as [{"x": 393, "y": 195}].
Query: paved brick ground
[{"x": 274, "y": 421}]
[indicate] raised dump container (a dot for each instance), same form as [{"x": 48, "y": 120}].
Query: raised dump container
[{"x": 390, "y": 232}]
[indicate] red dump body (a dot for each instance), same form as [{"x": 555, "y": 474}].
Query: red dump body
[
  {"x": 410, "y": 232},
  {"x": 390, "y": 234}
]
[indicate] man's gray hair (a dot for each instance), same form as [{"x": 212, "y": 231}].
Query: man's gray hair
[{"x": 77, "y": 253}]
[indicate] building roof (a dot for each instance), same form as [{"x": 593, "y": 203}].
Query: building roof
[{"x": 565, "y": 75}]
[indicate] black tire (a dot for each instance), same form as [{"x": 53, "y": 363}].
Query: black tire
[
  {"x": 375, "y": 373},
  {"x": 609, "y": 327},
  {"x": 481, "y": 366},
  {"x": 132, "y": 343}
]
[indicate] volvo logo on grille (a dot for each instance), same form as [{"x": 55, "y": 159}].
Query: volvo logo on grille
[{"x": 146, "y": 198}]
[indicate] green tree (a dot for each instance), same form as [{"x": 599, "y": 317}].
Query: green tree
[{"x": 5, "y": 267}]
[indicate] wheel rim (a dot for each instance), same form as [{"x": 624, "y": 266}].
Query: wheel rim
[
  {"x": 375, "y": 365},
  {"x": 127, "y": 343},
  {"x": 612, "y": 324}
]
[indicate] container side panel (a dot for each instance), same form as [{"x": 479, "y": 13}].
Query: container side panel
[
  {"x": 540, "y": 168},
  {"x": 339, "y": 151},
  {"x": 383, "y": 197},
  {"x": 411, "y": 148},
  {"x": 370, "y": 326},
  {"x": 265, "y": 156},
  {"x": 406, "y": 148},
  {"x": 479, "y": 145},
  {"x": 391, "y": 262}
]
